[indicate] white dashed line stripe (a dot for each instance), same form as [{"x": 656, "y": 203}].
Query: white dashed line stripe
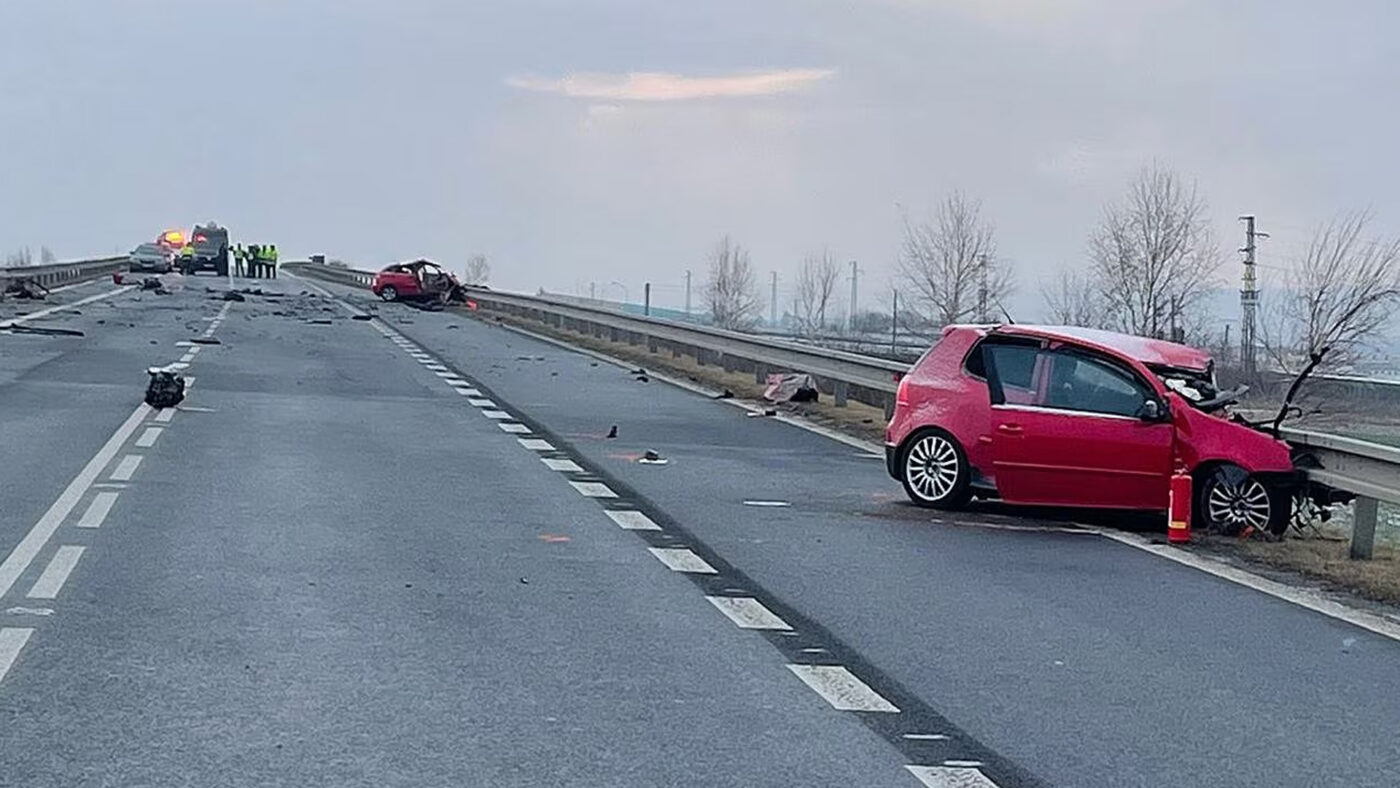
[
  {"x": 496, "y": 414},
  {"x": 841, "y": 688},
  {"x": 747, "y": 612},
  {"x": 435, "y": 367},
  {"x": 98, "y": 510},
  {"x": 452, "y": 378},
  {"x": 963, "y": 764},
  {"x": 126, "y": 468},
  {"x": 149, "y": 437},
  {"x": 951, "y": 777},
  {"x": 512, "y": 427},
  {"x": 194, "y": 351},
  {"x": 56, "y": 573},
  {"x": 12, "y": 640},
  {"x": 681, "y": 559},
  {"x": 925, "y": 736},
  {"x": 187, "y": 358},
  {"x": 28, "y": 548},
  {"x": 536, "y": 444},
  {"x": 593, "y": 489},
  {"x": 632, "y": 520},
  {"x": 477, "y": 402},
  {"x": 165, "y": 415},
  {"x": 562, "y": 465},
  {"x": 445, "y": 374},
  {"x": 466, "y": 388}
]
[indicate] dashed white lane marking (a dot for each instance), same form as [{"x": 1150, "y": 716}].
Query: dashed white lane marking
[
  {"x": 50, "y": 310},
  {"x": 435, "y": 367},
  {"x": 28, "y": 548},
  {"x": 478, "y": 402},
  {"x": 149, "y": 437},
  {"x": 56, "y": 573},
  {"x": 468, "y": 392},
  {"x": 632, "y": 520},
  {"x": 463, "y": 387},
  {"x": 165, "y": 415},
  {"x": 747, "y": 612},
  {"x": 593, "y": 489},
  {"x": 12, "y": 640},
  {"x": 98, "y": 510},
  {"x": 126, "y": 468},
  {"x": 841, "y": 688},
  {"x": 510, "y": 426},
  {"x": 951, "y": 777},
  {"x": 445, "y": 374},
  {"x": 452, "y": 378},
  {"x": 495, "y": 414},
  {"x": 536, "y": 444},
  {"x": 775, "y": 504},
  {"x": 194, "y": 351},
  {"x": 681, "y": 559},
  {"x": 187, "y": 358},
  {"x": 963, "y": 764},
  {"x": 562, "y": 465},
  {"x": 108, "y": 486},
  {"x": 926, "y": 736}
]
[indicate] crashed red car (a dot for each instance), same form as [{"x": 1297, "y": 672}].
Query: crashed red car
[
  {"x": 1078, "y": 417},
  {"x": 420, "y": 280}
]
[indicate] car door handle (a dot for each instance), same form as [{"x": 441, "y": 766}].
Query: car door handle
[{"x": 1009, "y": 429}]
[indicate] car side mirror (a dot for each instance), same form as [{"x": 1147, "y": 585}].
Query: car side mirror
[{"x": 1151, "y": 410}]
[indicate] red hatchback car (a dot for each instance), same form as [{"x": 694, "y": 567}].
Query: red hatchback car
[
  {"x": 1079, "y": 417},
  {"x": 420, "y": 280}
]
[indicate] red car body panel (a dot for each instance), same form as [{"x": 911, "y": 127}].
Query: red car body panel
[
  {"x": 1058, "y": 456},
  {"x": 405, "y": 283}
]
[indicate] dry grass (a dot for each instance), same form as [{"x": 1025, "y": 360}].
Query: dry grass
[{"x": 1322, "y": 559}]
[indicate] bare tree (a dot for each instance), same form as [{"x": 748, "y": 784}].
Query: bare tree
[
  {"x": 46, "y": 255},
  {"x": 947, "y": 261},
  {"x": 816, "y": 283},
  {"x": 1153, "y": 255},
  {"x": 1338, "y": 295},
  {"x": 731, "y": 291},
  {"x": 19, "y": 257},
  {"x": 1074, "y": 301},
  {"x": 478, "y": 270}
]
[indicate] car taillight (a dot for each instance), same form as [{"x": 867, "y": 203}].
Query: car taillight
[{"x": 901, "y": 394}]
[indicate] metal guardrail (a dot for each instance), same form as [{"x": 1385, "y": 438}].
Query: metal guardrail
[
  {"x": 55, "y": 274},
  {"x": 1368, "y": 470}
]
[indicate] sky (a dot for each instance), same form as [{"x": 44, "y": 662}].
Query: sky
[{"x": 603, "y": 144}]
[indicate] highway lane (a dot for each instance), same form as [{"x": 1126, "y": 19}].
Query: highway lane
[
  {"x": 329, "y": 568},
  {"x": 1083, "y": 660}
]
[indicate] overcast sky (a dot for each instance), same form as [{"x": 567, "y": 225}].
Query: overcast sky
[{"x": 575, "y": 141}]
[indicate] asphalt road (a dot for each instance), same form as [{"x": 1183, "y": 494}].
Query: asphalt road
[{"x": 403, "y": 552}]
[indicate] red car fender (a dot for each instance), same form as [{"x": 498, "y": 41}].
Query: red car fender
[{"x": 1204, "y": 437}]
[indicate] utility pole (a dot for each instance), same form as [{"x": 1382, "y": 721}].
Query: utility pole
[
  {"x": 894, "y": 325},
  {"x": 646, "y": 299},
  {"x": 851, "y": 318},
  {"x": 1249, "y": 297},
  {"x": 773, "y": 303},
  {"x": 982, "y": 316},
  {"x": 687, "y": 292}
]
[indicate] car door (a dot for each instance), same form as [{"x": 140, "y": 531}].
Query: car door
[{"x": 1082, "y": 439}]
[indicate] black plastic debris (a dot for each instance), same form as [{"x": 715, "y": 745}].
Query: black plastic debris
[
  {"x": 612, "y": 433},
  {"x": 652, "y": 457},
  {"x": 362, "y": 317},
  {"x": 726, "y": 394},
  {"x": 320, "y": 322},
  {"x": 166, "y": 389},
  {"x": 453, "y": 325},
  {"x": 642, "y": 379},
  {"x": 150, "y": 283},
  {"x": 206, "y": 341},
  {"x": 234, "y": 295},
  {"x": 42, "y": 331},
  {"x": 25, "y": 288}
]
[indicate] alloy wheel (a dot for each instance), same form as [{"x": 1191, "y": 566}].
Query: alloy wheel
[{"x": 932, "y": 467}]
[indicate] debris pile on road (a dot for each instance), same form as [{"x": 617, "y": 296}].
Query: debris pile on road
[
  {"x": 25, "y": 288},
  {"x": 652, "y": 457},
  {"x": 166, "y": 388},
  {"x": 612, "y": 433},
  {"x": 234, "y": 295},
  {"x": 789, "y": 387}
]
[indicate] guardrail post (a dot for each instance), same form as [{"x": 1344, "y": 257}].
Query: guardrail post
[
  {"x": 839, "y": 391},
  {"x": 889, "y": 407},
  {"x": 726, "y": 362},
  {"x": 651, "y": 345},
  {"x": 760, "y": 374},
  {"x": 1363, "y": 527},
  {"x": 676, "y": 351}
]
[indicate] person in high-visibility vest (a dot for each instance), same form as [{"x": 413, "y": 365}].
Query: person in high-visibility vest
[
  {"x": 254, "y": 259},
  {"x": 272, "y": 261},
  {"x": 238, "y": 259},
  {"x": 186, "y": 257}
]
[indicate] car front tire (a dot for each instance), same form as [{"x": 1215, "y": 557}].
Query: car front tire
[
  {"x": 1231, "y": 500},
  {"x": 389, "y": 293},
  {"x": 934, "y": 471}
]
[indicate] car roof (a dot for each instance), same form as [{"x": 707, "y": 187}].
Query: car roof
[{"x": 1152, "y": 352}]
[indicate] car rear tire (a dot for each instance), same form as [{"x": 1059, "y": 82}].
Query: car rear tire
[
  {"x": 933, "y": 468},
  {"x": 1231, "y": 500},
  {"x": 389, "y": 293}
]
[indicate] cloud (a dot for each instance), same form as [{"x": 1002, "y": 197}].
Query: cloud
[{"x": 656, "y": 86}]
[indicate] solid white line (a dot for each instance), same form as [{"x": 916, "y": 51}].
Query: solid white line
[
  {"x": 56, "y": 573},
  {"x": 747, "y": 612},
  {"x": 477, "y": 402},
  {"x": 126, "y": 468},
  {"x": 632, "y": 520},
  {"x": 165, "y": 415},
  {"x": 12, "y": 640},
  {"x": 536, "y": 444},
  {"x": 680, "y": 559},
  {"x": 841, "y": 688},
  {"x": 510, "y": 426},
  {"x": 1304, "y": 598},
  {"x": 50, "y": 310},
  {"x": 98, "y": 510},
  {"x": 148, "y": 438},
  {"x": 34, "y": 541},
  {"x": 73, "y": 286},
  {"x": 561, "y": 465},
  {"x": 951, "y": 777},
  {"x": 593, "y": 489},
  {"x": 495, "y": 414}
]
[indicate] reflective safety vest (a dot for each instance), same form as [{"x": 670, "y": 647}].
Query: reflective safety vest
[
  {"x": 187, "y": 251},
  {"x": 274, "y": 254}
]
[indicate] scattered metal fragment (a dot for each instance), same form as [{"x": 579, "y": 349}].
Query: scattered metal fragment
[
  {"x": 166, "y": 388},
  {"x": 206, "y": 341},
  {"x": 234, "y": 295},
  {"x": 652, "y": 457},
  {"x": 25, "y": 288},
  {"x": 362, "y": 317},
  {"x": 612, "y": 433}
]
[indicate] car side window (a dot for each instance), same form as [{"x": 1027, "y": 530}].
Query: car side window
[
  {"x": 1078, "y": 381},
  {"x": 1012, "y": 369}
]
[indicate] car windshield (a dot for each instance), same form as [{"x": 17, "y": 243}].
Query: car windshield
[{"x": 148, "y": 249}]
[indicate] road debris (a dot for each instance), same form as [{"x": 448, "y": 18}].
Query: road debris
[
  {"x": 652, "y": 457},
  {"x": 753, "y": 414},
  {"x": 726, "y": 394},
  {"x": 41, "y": 331},
  {"x": 206, "y": 341},
  {"x": 320, "y": 322},
  {"x": 612, "y": 433},
  {"x": 166, "y": 388},
  {"x": 26, "y": 289},
  {"x": 362, "y": 317},
  {"x": 234, "y": 295},
  {"x": 791, "y": 387}
]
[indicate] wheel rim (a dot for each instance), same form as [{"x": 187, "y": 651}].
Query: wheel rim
[
  {"x": 388, "y": 293},
  {"x": 932, "y": 467},
  {"x": 1242, "y": 503}
]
